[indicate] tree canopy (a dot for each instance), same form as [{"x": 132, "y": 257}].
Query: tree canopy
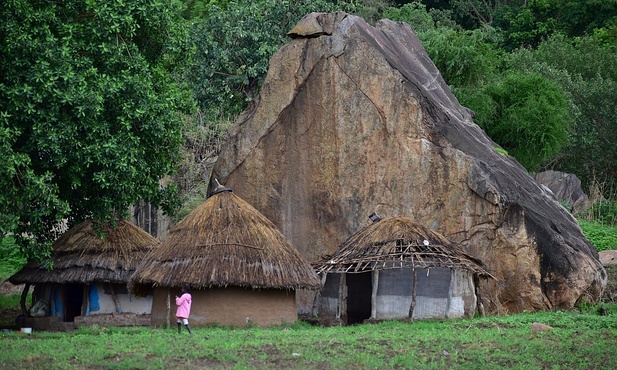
[
  {"x": 586, "y": 70},
  {"x": 234, "y": 45},
  {"x": 95, "y": 95},
  {"x": 89, "y": 111}
]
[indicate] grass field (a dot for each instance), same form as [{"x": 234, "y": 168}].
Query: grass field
[
  {"x": 577, "y": 340},
  {"x": 585, "y": 338}
]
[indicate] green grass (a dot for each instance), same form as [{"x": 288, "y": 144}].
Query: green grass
[
  {"x": 578, "y": 340},
  {"x": 8, "y": 301},
  {"x": 583, "y": 339}
]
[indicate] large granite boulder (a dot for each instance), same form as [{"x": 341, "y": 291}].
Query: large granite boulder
[
  {"x": 566, "y": 187},
  {"x": 354, "y": 119}
]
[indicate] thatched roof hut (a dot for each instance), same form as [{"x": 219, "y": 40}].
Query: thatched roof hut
[
  {"x": 225, "y": 246},
  {"x": 396, "y": 242},
  {"x": 87, "y": 253},
  {"x": 385, "y": 259},
  {"x": 90, "y": 268}
]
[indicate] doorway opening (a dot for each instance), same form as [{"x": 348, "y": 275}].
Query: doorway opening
[
  {"x": 74, "y": 301},
  {"x": 359, "y": 293}
]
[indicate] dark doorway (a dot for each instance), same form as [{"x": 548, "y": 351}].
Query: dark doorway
[
  {"x": 74, "y": 301},
  {"x": 359, "y": 292}
]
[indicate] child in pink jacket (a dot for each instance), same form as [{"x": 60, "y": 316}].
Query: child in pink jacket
[{"x": 184, "y": 309}]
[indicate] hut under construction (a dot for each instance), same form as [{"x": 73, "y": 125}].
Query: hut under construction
[
  {"x": 396, "y": 269},
  {"x": 240, "y": 267},
  {"x": 88, "y": 280}
]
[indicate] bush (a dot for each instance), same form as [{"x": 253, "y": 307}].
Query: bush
[
  {"x": 10, "y": 301},
  {"x": 526, "y": 114},
  {"x": 604, "y": 212},
  {"x": 601, "y": 236},
  {"x": 12, "y": 260}
]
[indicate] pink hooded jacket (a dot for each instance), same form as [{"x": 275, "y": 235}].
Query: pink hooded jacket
[{"x": 184, "y": 306}]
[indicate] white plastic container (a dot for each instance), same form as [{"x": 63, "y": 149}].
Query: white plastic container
[{"x": 26, "y": 330}]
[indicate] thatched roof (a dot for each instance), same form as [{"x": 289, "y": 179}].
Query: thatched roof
[
  {"x": 225, "y": 242},
  {"x": 396, "y": 242},
  {"x": 86, "y": 253}
]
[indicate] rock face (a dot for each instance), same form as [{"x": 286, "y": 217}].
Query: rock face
[
  {"x": 566, "y": 187},
  {"x": 354, "y": 119}
]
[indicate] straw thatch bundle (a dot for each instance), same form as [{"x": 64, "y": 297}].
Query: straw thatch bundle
[
  {"x": 86, "y": 253},
  {"x": 225, "y": 242},
  {"x": 396, "y": 242}
]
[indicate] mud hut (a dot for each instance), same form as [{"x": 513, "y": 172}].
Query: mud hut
[
  {"x": 396, "y": 269},
  {"x": 240, "y": 267},
  {"x": 88, "y": 279}
]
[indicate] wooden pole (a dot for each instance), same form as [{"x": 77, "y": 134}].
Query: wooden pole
[
  {"x": 342, "y": 305},
  {"x": 476, "y": 284},
  {"x": 115, "y": 298},
  {"x": 412, "y": 307},
  {"x": 84, "y": 300},
  {"x": 168, "y": 308},
  {"x": 449, "y": 299},
  {"x": 22, "y": 301},
  {"x": 374, "y": 294}
]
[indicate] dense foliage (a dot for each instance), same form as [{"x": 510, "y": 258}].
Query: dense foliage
[
  {"x": 586, "y": 70},
  {"x": 11, "y": 260},
  {"x": 94, "y": 95},
  {"x": 89, "y": 111},
  {"x": 234, "y": 45},
  {"x": 527, "y": 114}
]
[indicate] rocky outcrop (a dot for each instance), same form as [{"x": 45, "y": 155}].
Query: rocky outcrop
[
  {"x": 566, "y": 187},
  {"x": 354, "y": 119}
]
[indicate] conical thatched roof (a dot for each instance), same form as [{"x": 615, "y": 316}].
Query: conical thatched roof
[
  {"x": 396, "y": 242},
  {"x": 83, "y": 254},
  {"x": 225, "y": 242}
]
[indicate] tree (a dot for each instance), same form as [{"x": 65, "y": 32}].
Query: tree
[
  {"x": 464, "y": 58},
  {"x": 89, "y": 111},
  {"x": 200, "y": 9},
  {"x": 586, "y": 69},
  {"x": 527, "y": 114},
  {"x": 478, "y": 13},
  {"x": 234, "y": 46},
  {"x": 527, "y": 25},
  {"x": 582, "y": 17},
  {"x": 414, "y": 14},
  {"x": 372, "y": 10}
]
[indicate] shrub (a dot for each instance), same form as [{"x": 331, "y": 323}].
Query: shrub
[
  {"x": 601, "y": 236},
  {"x": 604, "y": 212},
  {"x": 12, "y": 260}
]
